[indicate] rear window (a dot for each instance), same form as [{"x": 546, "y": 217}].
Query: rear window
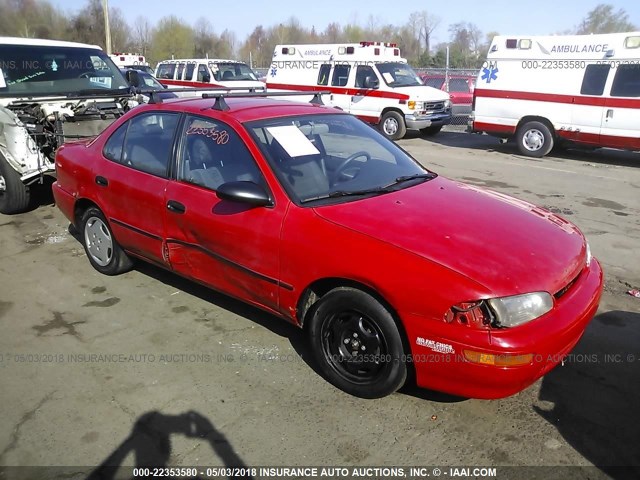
[{"x": 459, "y": 85}]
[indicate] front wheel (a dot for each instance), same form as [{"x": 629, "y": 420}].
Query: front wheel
[
  {"x": 392, "y": 125},
  {"x": 14, "y": 195},
  {"x": 104, "y": 253},
  {"x": 534, "y": 139},
  {"x": 356, "y": 343}
]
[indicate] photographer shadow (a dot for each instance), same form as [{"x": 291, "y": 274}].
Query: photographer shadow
[
  {"x": 593, "y": 399},
  {"x": 150, "y": 443}
]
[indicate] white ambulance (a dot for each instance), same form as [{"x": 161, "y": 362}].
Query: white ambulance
[
  {"x": 367, "y": 79},
  {"x": 551, "y": 90},
  {"x": 131, "y": 60},
  {"x": 205, "y": 72}
]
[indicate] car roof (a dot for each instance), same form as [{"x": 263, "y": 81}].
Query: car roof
[
  {"x": 44, "y": 43},
  {"x": 246, "y": 109},
  {"x": 204, "y": 60}
]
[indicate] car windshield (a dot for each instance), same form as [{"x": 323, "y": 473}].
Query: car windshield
[
  {"x": 33, "y": 70},
  {"x": 330, "y": 158},
  {"x": 232, "y": 72},
  {"x": 397, "y": 74}
]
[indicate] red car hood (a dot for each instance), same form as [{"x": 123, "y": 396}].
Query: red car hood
[{"x": 507, "y": 245}]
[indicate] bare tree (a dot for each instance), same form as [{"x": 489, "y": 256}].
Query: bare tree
[
  {"x": 603, "y": 19},
  {"x": 142, "y": 34}
]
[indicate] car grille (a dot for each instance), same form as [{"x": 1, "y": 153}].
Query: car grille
[
  {"x": 434, "y": 106},
  {"x": 567, "y": 287}
]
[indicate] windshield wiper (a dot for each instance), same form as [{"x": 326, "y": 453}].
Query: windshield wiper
[
  {"x": 372, "y": 191},
  {"x": 406, "y": 178}
]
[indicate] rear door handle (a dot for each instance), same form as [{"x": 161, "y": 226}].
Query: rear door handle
[
  {"x": 103, "y": 182},
  {"x": 610, "y": 113},
  {"x": 176, "y": 207}
]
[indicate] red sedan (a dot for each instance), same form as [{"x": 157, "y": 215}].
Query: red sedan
[{"x": 312, "y": 215}]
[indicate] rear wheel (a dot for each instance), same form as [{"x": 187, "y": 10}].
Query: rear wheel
[
  {"x": 357, "y": 344},
  {"x": 101, "y": 247},
  {"x": 14, "y": 195},
  {"x": 534, "y": 139},
  {"x": 392, "y": 125}
]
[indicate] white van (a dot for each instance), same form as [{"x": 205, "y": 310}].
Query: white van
[
  {"x": 545, "y": 91},
  {"x": 205, "y": 72},
  {"x": 367, "y": 79}
]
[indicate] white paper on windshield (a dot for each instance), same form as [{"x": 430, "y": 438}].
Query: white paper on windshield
[
  {"x": 387, "y": 77},
  {"x": 293, "y": 141},
  {"x": 2, "y": 82}
]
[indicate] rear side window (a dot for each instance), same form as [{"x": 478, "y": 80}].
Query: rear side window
[
  {"x": 595, "y": 76},
  {"x": 180, "y": 70},
  {"x": 113, "y": 148},
  {"x": 147, "y": 144},
  {"x": 189, "y": 71},
  {"x": 340, "y": 75},
  {"x": 626, "y": 83},
  {"x": 433, "y": 82},
  {"x": 323, "y": 76},
  {"x": 166, "y": 70}
]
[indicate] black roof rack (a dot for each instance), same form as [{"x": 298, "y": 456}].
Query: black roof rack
[{"x": 221, "y": 93}]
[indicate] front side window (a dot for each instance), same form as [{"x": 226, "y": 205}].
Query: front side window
[
  {"x": 212, "y": 153},
  {"x": 323, "y": 159},
  {"x": 203, "y": 74},
  {"x": 148, "y": 139},
  {"x": 362, "y": 72},
  {"x": 626, "y": 83}
]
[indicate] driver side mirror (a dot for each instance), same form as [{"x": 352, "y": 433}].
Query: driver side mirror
[
  {"x": 371, "y": 82},
  {"x": 244, "y": 192}
]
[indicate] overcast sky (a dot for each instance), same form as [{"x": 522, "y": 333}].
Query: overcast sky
[{"x": 540, "y": 17}]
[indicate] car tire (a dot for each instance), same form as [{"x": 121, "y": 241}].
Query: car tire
[
  {"x": 534, "y": 139},
  {"x": 392, "y": 125},
  {"x": 356, "y": 343},
  {"x": 102, "y": 249},
  {"x": 431, "y": 130},
  {"x": 14, "y": 195}
]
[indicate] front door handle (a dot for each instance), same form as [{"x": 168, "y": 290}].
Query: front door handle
[
  {"x": 103, "y": 182},
  {"x": 176, "y": 207},
  {"x": 610, "y": 113}
]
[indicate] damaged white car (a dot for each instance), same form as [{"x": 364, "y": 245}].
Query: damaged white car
[{"x": 50, "y": 92}]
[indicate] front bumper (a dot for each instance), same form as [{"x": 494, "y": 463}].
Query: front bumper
[
  {"x": 418, "y": 122},
  {"x": 441, "y": 365}
]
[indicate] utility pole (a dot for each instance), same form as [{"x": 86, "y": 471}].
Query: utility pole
[{"x": 107, "y": 28}]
